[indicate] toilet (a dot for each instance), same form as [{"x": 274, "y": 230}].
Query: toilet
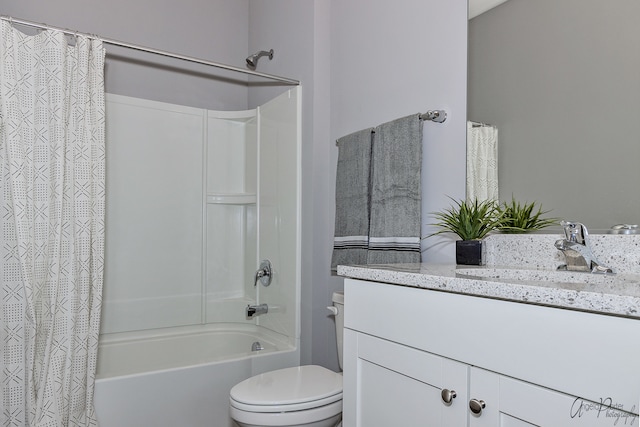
[{"x": 309, "y": 396}]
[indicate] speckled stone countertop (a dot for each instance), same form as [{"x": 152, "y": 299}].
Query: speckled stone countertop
[
  {"x": 507, "y": 277},
  {"x": 618, "y": 296}
]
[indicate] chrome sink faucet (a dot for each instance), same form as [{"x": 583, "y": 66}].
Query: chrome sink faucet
[{"x": 576, "y": 249}]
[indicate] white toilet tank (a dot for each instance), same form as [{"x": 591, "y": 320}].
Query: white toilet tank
[{"x": 338, "y": 311}]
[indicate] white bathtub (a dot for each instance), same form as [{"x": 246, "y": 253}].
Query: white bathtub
[{"x": 181, "y": 376}]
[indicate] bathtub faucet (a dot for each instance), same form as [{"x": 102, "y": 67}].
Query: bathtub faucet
[
  {"x": 254, "y": 310},
  {"x": 577, "y": 251}
]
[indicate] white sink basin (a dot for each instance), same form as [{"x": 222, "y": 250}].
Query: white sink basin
[{"x": 556, "y": 276}]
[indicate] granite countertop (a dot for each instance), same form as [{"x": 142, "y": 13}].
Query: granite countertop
[{"x": 617, "y": 294}]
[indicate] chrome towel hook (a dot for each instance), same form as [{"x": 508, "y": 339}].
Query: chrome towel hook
[{"x": 264, "y": 273}]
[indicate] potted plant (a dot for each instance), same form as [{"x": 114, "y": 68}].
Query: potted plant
[
  {"x": 471, "y": 221},
  {"x": 517, "y": 218}
]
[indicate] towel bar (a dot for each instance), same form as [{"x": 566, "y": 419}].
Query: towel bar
[{"x": 437, "y": 116}]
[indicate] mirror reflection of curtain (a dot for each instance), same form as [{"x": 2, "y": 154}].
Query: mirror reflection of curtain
[
  {"x": 52, "y": 203},
  {"x": 482, "y": 162}
]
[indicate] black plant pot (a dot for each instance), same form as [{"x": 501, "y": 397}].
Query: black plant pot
[{"x": 469, "y": 252}]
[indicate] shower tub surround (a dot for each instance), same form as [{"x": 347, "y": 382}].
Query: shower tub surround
[
  {"x": 518, "y": 341},
  {"x": 215, "y": 193}
]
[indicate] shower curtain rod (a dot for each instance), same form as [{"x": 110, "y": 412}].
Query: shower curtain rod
[{"x": 152, "y": 50}]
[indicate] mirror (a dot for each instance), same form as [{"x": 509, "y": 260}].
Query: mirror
[{"x": 561, "y": 81}]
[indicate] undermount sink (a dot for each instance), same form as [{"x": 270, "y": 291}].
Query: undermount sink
[{"x": 557, "y": 276}]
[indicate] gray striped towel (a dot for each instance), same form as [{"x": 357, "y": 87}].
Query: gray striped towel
[
  {"x": 353, "y": 190},
  {"x": 396, "y": 192}
]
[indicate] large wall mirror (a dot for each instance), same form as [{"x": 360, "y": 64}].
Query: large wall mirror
[{"x": 561, "y": 81}]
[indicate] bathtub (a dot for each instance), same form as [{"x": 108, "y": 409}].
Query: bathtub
[{"x": 181, "y": 376}]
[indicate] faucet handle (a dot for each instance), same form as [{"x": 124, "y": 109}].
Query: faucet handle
[
  {"x": 575, "y": 231},
  {"x": 264, "y": 273}
]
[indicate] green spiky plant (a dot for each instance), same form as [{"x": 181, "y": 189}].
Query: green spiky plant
[
  {"x": 523, "y": 218},
  {"x": 470, "y": 220}
]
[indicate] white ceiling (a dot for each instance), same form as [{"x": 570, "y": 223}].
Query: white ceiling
[{"x": 476, "y": 7}]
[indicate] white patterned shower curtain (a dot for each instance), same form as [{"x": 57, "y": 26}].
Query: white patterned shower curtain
[
  {"x": 52, "y": 193},
  {"x": 482, "y": 162}
]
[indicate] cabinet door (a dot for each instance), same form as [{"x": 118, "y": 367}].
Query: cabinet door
[
  {"x": 392, "y": 385},
  {"x": 512, "y": 403}
]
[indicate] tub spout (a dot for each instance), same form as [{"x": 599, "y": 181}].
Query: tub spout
[{"x": 255, "y": 310}]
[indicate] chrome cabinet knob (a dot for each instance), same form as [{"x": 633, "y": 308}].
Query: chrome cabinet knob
[
  {"x": 477, "y": 406},
  {"x": 448, "y": 395}
]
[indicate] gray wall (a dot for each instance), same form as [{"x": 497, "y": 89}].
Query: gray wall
[
  {"x": 216, "y": 30},
  {"x": 560, "y": 79}
]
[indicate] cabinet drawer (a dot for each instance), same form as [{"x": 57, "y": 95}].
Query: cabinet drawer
[
  {"x": 417, "y": 364},
  {"x": 544, "y": 407}
]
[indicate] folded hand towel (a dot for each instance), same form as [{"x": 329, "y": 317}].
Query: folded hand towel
[
  {"x": 396, "y": 193},
  {"x": 352, "y": 199}
]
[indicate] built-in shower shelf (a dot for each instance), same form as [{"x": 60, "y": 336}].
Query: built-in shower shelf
[{"x": 232, "y": 199}]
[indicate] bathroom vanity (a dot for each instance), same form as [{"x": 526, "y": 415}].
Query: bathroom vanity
[{"x": 440, "y": 346}]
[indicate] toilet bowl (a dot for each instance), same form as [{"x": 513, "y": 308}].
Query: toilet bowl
[{"x": 309, "y": 396}]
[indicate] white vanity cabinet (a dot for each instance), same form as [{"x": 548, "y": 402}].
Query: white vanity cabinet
[
  {"x": 402, "y": 386},
  {"x": 406, "y": 348}
]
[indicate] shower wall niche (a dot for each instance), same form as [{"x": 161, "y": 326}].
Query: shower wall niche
[{"x": 195, "y": 200}]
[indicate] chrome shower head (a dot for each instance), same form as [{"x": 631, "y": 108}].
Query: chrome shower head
[{"x": 252, "y": 60}]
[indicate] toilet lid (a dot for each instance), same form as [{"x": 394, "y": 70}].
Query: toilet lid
[{"x": 296, "y": 388}]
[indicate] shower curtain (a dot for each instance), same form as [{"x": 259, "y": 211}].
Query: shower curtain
[
  {"x": 482, "y": 162},
  {"x": 52, "y": 192}
]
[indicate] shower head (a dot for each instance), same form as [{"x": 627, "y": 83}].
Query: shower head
[{"x": 252, "y": 60}]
